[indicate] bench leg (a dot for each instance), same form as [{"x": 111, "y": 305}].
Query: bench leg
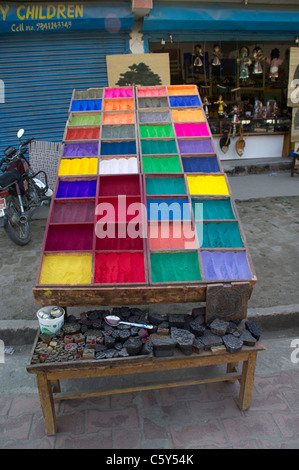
[
  {"x": 47, "y": 403},
  {"x": 247, "y": 381},
  {"x": 231, "y": 367}
]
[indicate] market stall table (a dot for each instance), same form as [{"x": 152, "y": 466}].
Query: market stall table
[{"x": 49, "y": 375}]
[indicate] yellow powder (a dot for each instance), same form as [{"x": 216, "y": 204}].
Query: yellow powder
[
  {"x": 78, "y": 166},
  {"x": 211, "y": 185},
  {"x": 190, "y": 115},
  {"x": 66, "y": 269}
]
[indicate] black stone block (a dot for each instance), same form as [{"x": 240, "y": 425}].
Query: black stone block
[
  {"x": 209, "y": 340},
  {"x": 219, "y": 327},
  {"x": 247, "y": 338},
  {"x": 198, "y": 346},
  {"x": 133, "y": 346},
  {"x": 124, "y": 335},
  {"x": 232, "y": 344},
  {"x": 254, "y": 329},
  {"x": 183, "y": 338},
  {"x": 156, "y": 319},
  {"x": 109, "y": 341},
  {"x": 147, "y": 347},
  {"x": 163, "y": 345},
  {"x": 177, "y": 321},
  {"x": 196, "y": 328}
]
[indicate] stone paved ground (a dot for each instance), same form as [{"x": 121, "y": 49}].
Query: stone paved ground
[{"x": 193, "y": 417}]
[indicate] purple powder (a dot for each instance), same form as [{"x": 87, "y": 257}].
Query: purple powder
[
  {"x": 76, "y": 189},
  {"x": 226, "y": 265},
  {"x": 196, "y": 146},
  {"x": 87, "y": 149}
]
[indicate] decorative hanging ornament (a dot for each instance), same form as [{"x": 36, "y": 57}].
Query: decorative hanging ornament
[
  {"x": 244, "y": 62},
  {"x": 258, "y": 57},
  {"x": 235, "y": 112},
  {"x": 275, "y": 62},
  {"x": 198, "y": 61},
  {"x": 217, "y": 55}
]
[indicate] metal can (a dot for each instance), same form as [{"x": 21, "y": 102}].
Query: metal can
[{"x": 56, "y": 312}]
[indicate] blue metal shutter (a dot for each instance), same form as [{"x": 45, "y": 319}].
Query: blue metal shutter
[{"x": 40, "y": 73}]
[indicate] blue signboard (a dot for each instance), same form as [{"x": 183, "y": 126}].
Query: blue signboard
[{"x": 22, "y": 18}]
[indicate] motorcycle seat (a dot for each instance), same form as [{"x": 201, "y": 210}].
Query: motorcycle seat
[{"x": 9, "y": 177}]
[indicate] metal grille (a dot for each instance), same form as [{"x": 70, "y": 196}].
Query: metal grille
[{"x": 40, "y": 73}]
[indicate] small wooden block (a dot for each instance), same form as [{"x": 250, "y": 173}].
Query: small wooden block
[
  {"x": 218, "y": 349},
  {"x": 88, "y": 353}
]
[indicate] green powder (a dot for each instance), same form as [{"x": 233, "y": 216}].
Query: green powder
[
  {"x": 161, "y": 164},
  {"x": 158, "y": 147},
  {"x": 86, "y": 120},
  {"x": 156, "y": 131},
  {"x": 175, "y": 267},
  {"x": 219, "y": 209},
  {"x": 165, "y": 186},
  {"x": 221, "y": 235}
]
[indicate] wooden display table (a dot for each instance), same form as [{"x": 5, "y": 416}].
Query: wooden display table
[{"x": 49, "y": 375}]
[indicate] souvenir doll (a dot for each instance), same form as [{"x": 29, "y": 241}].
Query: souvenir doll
[
  {"x": 235, "y": 112},
  {"x": 221, "y": 104},
  {"x": 244, "y": 62},
  {"x": 217, "y": 55},
  {"x": 275, "y": 62},
  {"x": 258, "y": 109},
  {"x": 198, "y": 61},
  {"x": 206, "y": 105},
  {"x": 258, "y": 57}
]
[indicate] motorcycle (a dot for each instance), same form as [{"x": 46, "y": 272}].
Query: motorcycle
[{"x": 21, "y": 192}]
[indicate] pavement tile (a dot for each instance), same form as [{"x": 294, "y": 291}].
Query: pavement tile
[
  {"x": 24, "y": 404},
  {"x": 73, "y": 423},
  {"x": 188, "y": 437},
  {"x": 292, "y": 397},
  {"x": 250, "y": 427},
  {"x": 216, "y": 391},
  {"x": 288, "y": 424},
  {"x": 96, "y": 419},
  {"x": 126, "y": 439},
  {"x": 208, "y": 410},
  {"x": 15, "y": 427},
  {"x": 149, "y": 398},
  {"x": 273, "y": 401},
  {"x": 171, "y": 395},
  {"x": 284, "y": 380},
  {"x": 120, "y": 400},
  {"x": 152, "y": 430},
  {"x": 5, "y": 403},
  {"x": 177, "y": 413},
  {"x": 100, "y": 403},
  {"x": 46, "y": 443},
  {"x": 102, "y": 440}
]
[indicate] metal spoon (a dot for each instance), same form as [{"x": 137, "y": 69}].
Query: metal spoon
[{"x": 114, "y": 320}]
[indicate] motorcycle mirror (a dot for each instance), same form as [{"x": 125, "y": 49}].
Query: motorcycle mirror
[{"x": 20, "y": 133}]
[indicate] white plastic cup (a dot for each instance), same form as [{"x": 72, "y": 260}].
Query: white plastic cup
[{"x": 50, "y": 325}]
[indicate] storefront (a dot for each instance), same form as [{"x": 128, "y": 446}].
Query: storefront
[
  {"x": 239, "y": 58},
  {"x": 47, "y": 50}
]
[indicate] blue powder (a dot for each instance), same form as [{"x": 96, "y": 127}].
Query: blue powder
[
  {"x": 118, "y": 148},
  {"x": 178, "y": 101},
  {"x": 200, "y": 165},
  {"x": 86, "y": 105}
]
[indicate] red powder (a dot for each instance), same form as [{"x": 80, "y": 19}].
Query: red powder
[
  {"x": 118, "y": 268},
  {"x": 83, "y": 133}
]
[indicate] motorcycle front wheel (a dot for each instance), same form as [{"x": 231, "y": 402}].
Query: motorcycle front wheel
[{"x": 17, "y": 231}]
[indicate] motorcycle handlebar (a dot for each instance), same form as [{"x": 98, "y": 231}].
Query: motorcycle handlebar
[{"x": 27, "y": 141}]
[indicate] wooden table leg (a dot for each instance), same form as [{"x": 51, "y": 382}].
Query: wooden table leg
[
  {"x": 247, "y": 381},
  {"x": 47, "y": 403},
  {"x": 56, "y": 386},
  {"x": 231, "y": 367}
]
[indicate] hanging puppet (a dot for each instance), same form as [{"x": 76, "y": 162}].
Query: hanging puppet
[
  {"x": 258, "y": 109},
  {"x": 275, "y": 62},
  {"x": 235, "y": 112},
  {"x": 258, "y": 57},
  {"x": 198, "y": 61},
  {"x": 216, "y": 55},
  {"x": 221, "y": 104},
  {"x": 206, "y": 105},
  {"x": 244, "y": 62}
]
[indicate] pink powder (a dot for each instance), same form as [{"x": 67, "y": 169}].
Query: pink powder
[
  {"x": 192, "y": 130},
  {"x": 119, "y": 93}
]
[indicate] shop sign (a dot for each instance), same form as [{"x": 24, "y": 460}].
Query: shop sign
[{"x": 38, "y": 17}]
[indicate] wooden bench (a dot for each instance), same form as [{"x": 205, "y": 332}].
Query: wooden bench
[{"x": 49, "y": 375}]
